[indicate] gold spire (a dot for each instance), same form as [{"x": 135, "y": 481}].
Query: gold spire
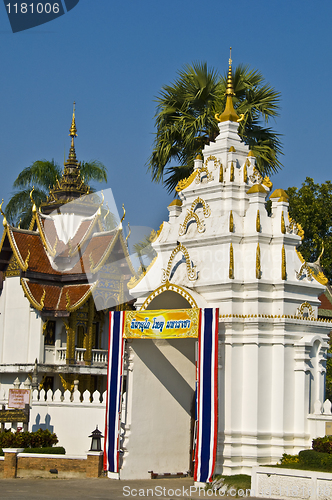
[
  {"x": 73, "y": 130},
  {"x": 229, "y": 113},
  {"x": 72, "y": 133}
]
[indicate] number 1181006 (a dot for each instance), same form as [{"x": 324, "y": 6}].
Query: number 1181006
[{"x": 30, "y": 8}]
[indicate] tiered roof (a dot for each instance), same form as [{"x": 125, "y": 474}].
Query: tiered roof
[{"x": 59, "y": 264}]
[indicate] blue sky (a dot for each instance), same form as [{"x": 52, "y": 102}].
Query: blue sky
[{"x": 112, "y": 58}]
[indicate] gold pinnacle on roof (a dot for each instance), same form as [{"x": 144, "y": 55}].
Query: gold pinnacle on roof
[
  {"x": 72, "y": 133},
  {"x": 73, "y": 130},
  {"x": 229, "y": 113}
]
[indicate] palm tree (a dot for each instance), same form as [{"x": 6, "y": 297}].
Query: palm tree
[
  {"x": 185, "y": 120},
  {"x": 42, "y": 175}
]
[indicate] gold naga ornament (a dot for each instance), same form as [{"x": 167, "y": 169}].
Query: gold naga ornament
[{"x": 258, "y": 262}]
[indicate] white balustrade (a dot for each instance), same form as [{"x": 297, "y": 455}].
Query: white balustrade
[
  {"x": 79, "y": 354},
  {"x": 99, "y": 356}
]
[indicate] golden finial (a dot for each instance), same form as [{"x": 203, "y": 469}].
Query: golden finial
[
  {"x": 73, "y": 130},
  {"x": 19, "y": 224},
  {"x": 4, "y": 222},
  {"x": 34, "y": 208},
  {"x": 229, "y": 113},
  {"x": 124, "y": 213},
  {"x": 229, "y": 88},
  {"x": 129, "y": 232}
]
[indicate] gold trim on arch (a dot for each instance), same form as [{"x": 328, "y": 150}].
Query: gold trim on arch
[
  {"x": 191, "y": 270},
  {"x": 173, "y": 288},
  {"x": 192, "y": 214}
]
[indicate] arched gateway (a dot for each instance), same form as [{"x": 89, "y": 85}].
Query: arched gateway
[{"x": 221, "y": 249}]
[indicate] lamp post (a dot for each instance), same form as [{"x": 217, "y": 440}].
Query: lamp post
[{"x": 96, "y": 436}]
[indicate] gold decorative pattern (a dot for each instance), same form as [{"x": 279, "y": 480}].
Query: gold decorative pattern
[
  {"x": 232, "y": 149},
  {"x": 283, "y": 263},
  {"x": 231, "y": 262},
  {"x": 42, "y": 300},
  {"x": 256, "y": 177},
  {"x": 173, "y": 288},
  {"x": 283, "y": 227},
  {"x": 129, "y": 233},
  {"x": 303, "y": 307},
  {"x": 294, "y": 228},
  {"x": 13, "y": 268},
  {"x": 258, "y": 262},
  {"x": 204, "y": 169},
  {"x": 245, "y": 172},
  {"x": 303, "y": 268},
  {"x": 231, "y": 222},
  {"x": 186, "y": 182},
  {"x": 191, "y": 269},
  {"x": 192, "y": 214},
  {"x": 231, "y": 177},
  {"x": 215, "y": 160},
  {"x": 258, "y": 222},
  {"x": 266, "y": 182},
  {"x": 221, "y": 174},
  {"x": 82, "y": 300}
]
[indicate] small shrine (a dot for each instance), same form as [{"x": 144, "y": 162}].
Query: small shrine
[{"x": 222, "y": 248}]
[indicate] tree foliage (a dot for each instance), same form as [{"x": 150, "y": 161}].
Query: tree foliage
[
  {"x": 43, "y": 174},
  {"x": 185, "y": 120},
  {"x": 311, "y": 206}
]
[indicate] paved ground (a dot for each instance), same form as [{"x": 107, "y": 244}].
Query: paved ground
[{"x": 103, "y": 488}]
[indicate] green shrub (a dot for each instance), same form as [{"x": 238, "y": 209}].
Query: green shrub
[
  {"x": 322, "y": 444},
  {"x": 314, "y": 459},
  {"x": 39, "y": 439},
  {"x": 289, "y": 459}
]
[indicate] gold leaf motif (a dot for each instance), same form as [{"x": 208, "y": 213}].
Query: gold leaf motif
[
  {"x": 231, "y": 222},
  {"x": 283, "y": 227},
  {"x": 258, "y": 222},
  {"x": 231, "y": 262},
  {"x": 245, "y": 173},
  {"x": 258, "y": 262},
  {"x": 283, "y": 263},
  {"x": 232, "y": 173}
]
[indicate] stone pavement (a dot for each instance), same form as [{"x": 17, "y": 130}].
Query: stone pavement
[{"x": 102, "y": 488}]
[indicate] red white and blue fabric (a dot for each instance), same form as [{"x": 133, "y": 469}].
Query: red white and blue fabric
[
  {"x": 207, "y": 396},
  {"x": 114, "y": 389}
]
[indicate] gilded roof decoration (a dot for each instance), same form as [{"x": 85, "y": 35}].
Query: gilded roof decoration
[
  {"x": 173, "y": 288},
  {"x": 184, "y": 183},
  {"x": 215, "y": 160}
]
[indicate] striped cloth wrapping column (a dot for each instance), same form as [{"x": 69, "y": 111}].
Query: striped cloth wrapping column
[
  {"x": 114, "y": 389},
  {"x": 207, "y": 396}
]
